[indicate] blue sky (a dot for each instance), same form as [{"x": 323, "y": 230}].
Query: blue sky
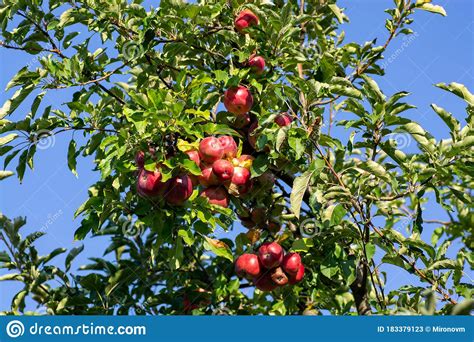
[{"x": 442, "y": 50}]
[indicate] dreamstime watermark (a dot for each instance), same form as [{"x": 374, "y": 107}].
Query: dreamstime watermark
[
  {"x": 309, "y": 228},
  {"x": 15, "y": 329},
  {"x": 132, "y": 50},
  {"x": 407, "y": 41},
  {"x": 131, "y": 229},
  {"x": 402, "y": 140},
  {"x": 52, "y": 218},
  {"x": 44, "y": 139}
]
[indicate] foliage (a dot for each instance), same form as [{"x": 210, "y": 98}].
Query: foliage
[{"x": 141, "y": 78}]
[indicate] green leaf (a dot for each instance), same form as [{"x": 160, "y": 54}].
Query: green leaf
[
  {"x": 8, "y": 138},
  {"x": 20, "y": 169},
  {"x": 345, "y": 91},
  {"x": 376, "y": 169},
  {"x": 443, "y": 264},
  {"x": 187, "y": 236},
  {"x": 302, "y": 245},
  {"x": 17, "y": 98},
  {"x": 431, "y": 8},
  {"x": 458, "y": 90},
  {"x": 337, "y": 12},
  {"x": 280, "y": 138},
  {"x": 6, "y": 174},
  {"x": 447, "y": 117},
  {"x": 191, "y": 166},
  {"x": 329, "y": 268},
  {"x": 370, "y": 250},
  {"x": 72, "y": 255},
  {"x": 464, "y": 308},
  {"x": 71, "y": 157},
  {"x": 11, "y": 276},
  {"x": 300, "y": 185},
  {"x": 4, "y": 257},
  {"x": 218, "y": 247},
  {"x": 419, "y": 134},
  {"x": 18, "y": 302},
  {"x": 259, "y": 165},
  {"x": 373, "y": 88},
  {"x": 337, "y": 215},
  {"x": 53, "y": 254}
]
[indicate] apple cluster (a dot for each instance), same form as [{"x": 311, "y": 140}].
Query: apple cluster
[
  {"x": 270, "y": 267},
  {"x": 175, "y": 191},
  {"x": 222, "y": 172}
]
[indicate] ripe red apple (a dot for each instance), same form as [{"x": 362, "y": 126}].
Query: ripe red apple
[
  {"x": 279, "y": 277},
  {"x": 265, "y": 282},
  {"x": 223, "y": 169},
  {"x": 140, "y": 159},
  {"x": 229, "y": 146},
  {"x": 270, "y": 254},
  {"x": 283, "y": 119},
  {"x": 216, "y": 195},
  {"x": 247, "y": 266},
  {"x": 242, "y": 121},
  {"x": 257, "y": 63},
  {"x": 296, "y": 278},
  {"x": 210, "y": 149},
  {"x": 179, "y": 189},
  {"x": 251, "y": 137},
  {"x": 291, "y": 263},
  {"x": 240, "y": 183},
  {"x": 207, "y": 177},
  {"x": 149, "y": 183},
  {"x": 194, "y": 156},
  {"x": 238, "y": 100},
  {"x": 245, "y": 19}
]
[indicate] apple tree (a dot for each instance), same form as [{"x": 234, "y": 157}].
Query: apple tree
[{"x": 221, "y": 187}]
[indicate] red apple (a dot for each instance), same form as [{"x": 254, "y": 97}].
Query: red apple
[
  {"x": 279, "y": 277},
  {"x": 265, "y": 282},
  {"x": 240, "y": 183},
  {"x": 242, "y": 121},
  {"x": 283, "y": 119},
  {"x": 194, "y": 156},
  {"x": 217, "y": 196},
  {"x": 149, "y": 183},
  {"x": 207, "y": 177},
  {"x": 252, "y": 138},
  {"x": 180, "y": 188},
  {"x": 247, "y": 266},
  {"x": 245, "y": 19},
  {"x": 257, "y": 63},
  {"x": 238, "y": 100},
  {"x": 296, "y": 278},
  {"x": 210, "y": 149},
  {"x": 291, "y": 263},
  {"x": 140, "y": 159},
  {"x": 270, "y": 254},
  {"x": 223, "y": 169},
  {"x": 229, "y": 146}
]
